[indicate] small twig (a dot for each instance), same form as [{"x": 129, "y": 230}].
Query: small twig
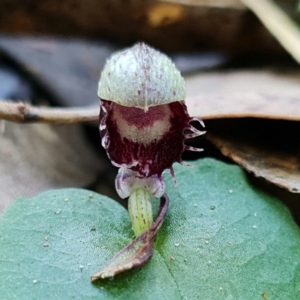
[
  {"x": 281, "y": 26},
  {"x": 25, "y": 113}
]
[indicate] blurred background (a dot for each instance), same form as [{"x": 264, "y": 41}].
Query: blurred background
[{"x": 52, "y": 53}]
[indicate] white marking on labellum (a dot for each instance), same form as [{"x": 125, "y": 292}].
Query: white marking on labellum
[{"x": 143, "y": 134}]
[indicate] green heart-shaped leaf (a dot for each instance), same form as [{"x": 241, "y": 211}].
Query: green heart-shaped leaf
[{"x": 222, "y": 239}]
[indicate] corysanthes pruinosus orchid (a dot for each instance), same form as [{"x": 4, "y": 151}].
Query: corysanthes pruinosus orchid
[{"x": 143, "y": 125}]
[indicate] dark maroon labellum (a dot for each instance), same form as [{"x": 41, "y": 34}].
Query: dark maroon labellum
[{"x": 146, "y": 142}]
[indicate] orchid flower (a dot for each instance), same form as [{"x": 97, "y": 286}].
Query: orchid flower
[{"x": 143, "y": 125}]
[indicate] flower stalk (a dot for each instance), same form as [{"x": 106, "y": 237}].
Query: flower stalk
[{"x": 140, "y": 210}]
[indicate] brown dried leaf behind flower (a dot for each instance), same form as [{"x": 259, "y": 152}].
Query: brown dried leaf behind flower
[
  {"x": 253, "y": 102},
  {"x": 270, "y": 94},
  {"x": 267, "y": 149}
]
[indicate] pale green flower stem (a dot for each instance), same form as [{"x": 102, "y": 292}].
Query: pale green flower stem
[{"x": 140, "y": 210}]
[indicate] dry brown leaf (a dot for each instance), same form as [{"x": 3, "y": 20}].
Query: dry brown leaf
[
  {"x": 271, "y": 94},
  {"x": 267, "y": 149},
  {"x": 38, "y": 157}
]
